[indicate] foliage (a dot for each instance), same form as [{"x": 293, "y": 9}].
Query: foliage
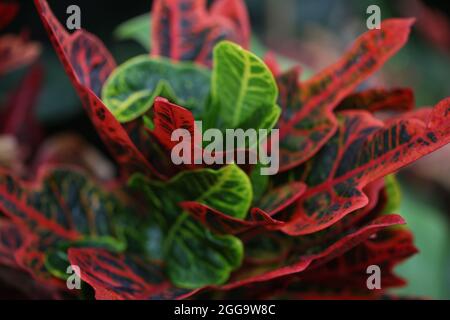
[{"x": 177, "y": 231}]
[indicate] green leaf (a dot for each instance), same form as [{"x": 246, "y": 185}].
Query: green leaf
[
  {"x": 137, "y": 29},
  {"x": 259, "y": 182},
  {"x": 131, "y": 89},
  {"x": 228, "y": 190},
  {"x": 56, "y": 262},
  {"x": 56, "y": 259},
  {"x": 394, "y": 194},
  {"x": 243, "y": 90},
  {"x": 195, "y": 257}
]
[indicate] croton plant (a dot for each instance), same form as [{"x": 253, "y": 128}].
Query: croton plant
[{"x": 166, "y": 231}]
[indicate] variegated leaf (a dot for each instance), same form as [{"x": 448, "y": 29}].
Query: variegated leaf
[
  {"x": 124, "y": 277},
  {"x": 296, "y": 261},
  {"x": 131, "y": 89},
  {"x": 272, "y": 203},
  {"x": 362, "y": 151},
  {"x": 374, "y": 100},
  {"x": 307, "y": 121},
  {"x": 193, "y": 37},
  {"x": 88, "y": 63}
]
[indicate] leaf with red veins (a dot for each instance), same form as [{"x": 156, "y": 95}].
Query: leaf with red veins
[
  {"x": 169, "y": 117},
  {"x": 284, "y": 205},
  {"x": 88, "y": 63},
  {"x": 322, "y": 256},
  {"x": 272, "y": 203},
  {"x": 151, "y": 149},
  {"x": 61, "y": 207},
  {"x": 258, "y": 253},
  {"x": 278, "y": 199},
  {"x": 8, "y": 11},
  {"x": 236, "y": 11},
  {"x": 386, "y": 250},
  {"x": 157, "y": 144},
  {"x": 363, "y": 150},
  {"x": 376, "y": 193},
  {"x": 17, "y": 51},
  {"x": 297, "y": 261},
  {"x": 89, "y": 59},
  {"x": 124, "y": 277},
  {"x": 221, "y": 223},
  {"x": 184, "y": 30},
  {"x": 18, "y": 117},
  {"x": 307, "y": 121},
  {"x": 62, "y": 202},
  {"x": 375, "y": 100},
  {"x": 84, "y": 57},
  {"x": 32, "y": 255},
  {"x": 11, "y": 240}
]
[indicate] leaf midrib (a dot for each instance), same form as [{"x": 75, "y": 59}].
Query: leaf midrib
[
  {"x": 182, "y": 218},
  {"x": 244, "y": 87}
]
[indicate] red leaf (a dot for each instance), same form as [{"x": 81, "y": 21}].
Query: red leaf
[
  {"x": 362, "y": 151},
  {"x": 298, "y": 260},
  {"x": 88, "y": 63},
  {"x": 32, "y": 255},
  {"x": 386, "y": 250},
  {"x": 15, "y": 202},
  {"x": 89, "y": 59},
  {"x": 374, "y": 100},
  {"x": 85, "y": 58},
  {"x": 307, "y": 121},
  {"x": 11, "y": 239},
  {"x": 376, "y": 194},
  {"x": 236, "y": 11},
  {"x": 273, "y": 202},
  {"x": 221, "y": 223},
  {"x": 63, "y": 202},
  {"x": 60, "y": 207},
  {"x": 169, "y": 117},
  {"x": 124, "y": 277},
  {"x": 151, "y": 148},
  {"x": 343, "y": 277},
  {"x": 184, "y": 30}
]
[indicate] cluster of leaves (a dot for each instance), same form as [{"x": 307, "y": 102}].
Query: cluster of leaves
[{"x": 167, "y": 231}]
